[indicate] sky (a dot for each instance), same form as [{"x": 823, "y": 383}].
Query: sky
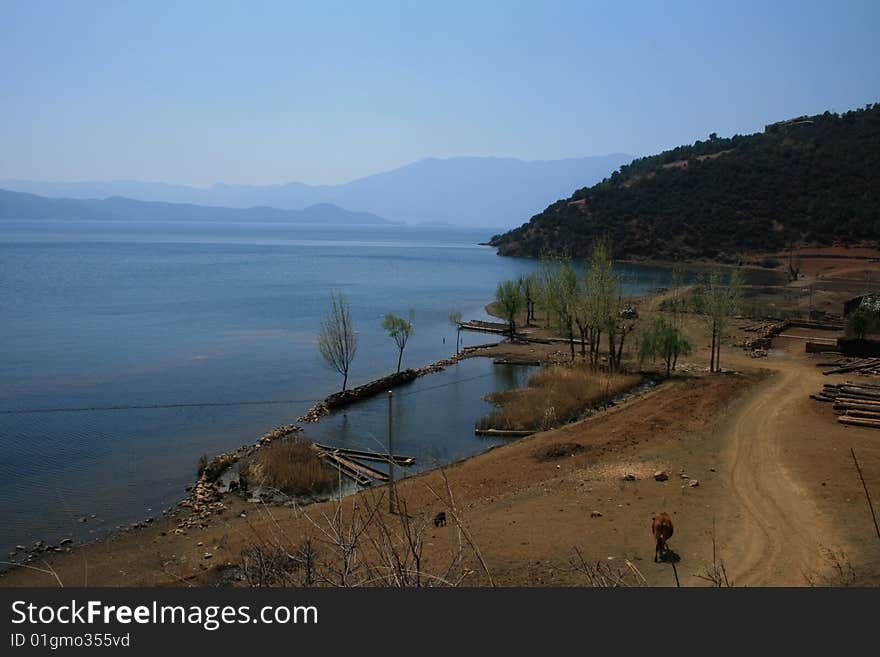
[{"x": 326, "y": 92}]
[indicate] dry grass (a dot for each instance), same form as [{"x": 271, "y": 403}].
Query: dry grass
[
  {"x": 291, "y": 466},
  {"x": 358, "y": 544},
  {"x": 556, "y": 395}
]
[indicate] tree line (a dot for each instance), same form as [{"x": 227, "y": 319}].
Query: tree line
[
  {"x": 588, "y": 306},
  {"x": 584, "y": 306}
]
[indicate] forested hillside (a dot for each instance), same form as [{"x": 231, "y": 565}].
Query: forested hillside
[{"x": 810, "y": 180}]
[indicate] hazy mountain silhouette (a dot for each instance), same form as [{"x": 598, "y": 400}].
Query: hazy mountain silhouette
[
  {"x": 471, "y": 191},
  {"x": 20, "y": 205}
]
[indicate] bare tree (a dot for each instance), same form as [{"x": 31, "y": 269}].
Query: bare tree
[
  {"x": 528, "y": 283},
  {"x": 337, "y": 340},
  {"x": 455, "y": 320},
  {"x": 356, "y": 545}
]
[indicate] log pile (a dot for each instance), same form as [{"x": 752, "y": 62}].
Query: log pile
[
  {"x": 865, "y": 366},
  {"x": 855, "y": 403},
  {"x": 763, "y": 339}
]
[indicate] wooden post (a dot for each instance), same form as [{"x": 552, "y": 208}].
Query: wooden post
[
  {"x": 391, "y": 500},
  {"x": 867, "y": 494}
]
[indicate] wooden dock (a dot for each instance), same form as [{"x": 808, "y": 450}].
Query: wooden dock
[
  {"x": 345, "y": 468},
  {"x": 366, "y": 455},
  {"x": 515, "y": 361},
  {"x": 503, "y": 433},
  {"x": 348, "y": 462},
  {"x": 484, "y": 327}
]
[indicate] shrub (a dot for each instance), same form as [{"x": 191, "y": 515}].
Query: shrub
[
  {"x": 861, "y": 322},
  {"x": 665, "y": 341},
  {"x": 291, "y": 466},
  {"x": 556, "y": 395}
]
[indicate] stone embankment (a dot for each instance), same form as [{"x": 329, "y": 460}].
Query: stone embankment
[
  {"x": 378, "y": 386},
  {"x": 205, "y": 498}
]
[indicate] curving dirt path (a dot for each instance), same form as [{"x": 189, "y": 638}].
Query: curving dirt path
[{"x": 774, "y": 532}]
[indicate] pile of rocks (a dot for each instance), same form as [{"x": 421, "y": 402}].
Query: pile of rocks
[
  {"x": 315, "y": 413},
  {"x": 205, "y": 498},
  {"x": 38, "y": 548},
  {"x": 279, "y": 432},
  {"x": 439, "y": 366},
  {"x": 203, "y": 501}
]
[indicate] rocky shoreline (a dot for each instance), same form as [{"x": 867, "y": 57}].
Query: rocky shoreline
[{"x": 203, "y": 501}]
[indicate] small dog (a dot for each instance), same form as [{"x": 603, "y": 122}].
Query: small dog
[{"x": 440, "y": 519}]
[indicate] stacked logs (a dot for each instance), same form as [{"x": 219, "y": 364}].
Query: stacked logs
[
  {"x": 855, "y": 403},
  {"x": 761, "y": 343},
  {"x": 855, "y": 365}
]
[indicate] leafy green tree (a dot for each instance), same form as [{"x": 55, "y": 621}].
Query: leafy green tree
[
  {"x": 677, "y": 299},
  {"x": 337, "y": 339},
  {"x": 399, "y": 330},
  {"x": 718, "y": 303},
  {"x": 606, "y": 304},
  {"x": 510, "y": 300},
  {"x": 861, "y": 322},
  {"x": 665, "y": 341},
  {"x": 558, "y": 291}
]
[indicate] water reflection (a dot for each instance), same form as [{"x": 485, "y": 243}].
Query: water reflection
[{"x": 434, "y": 417}]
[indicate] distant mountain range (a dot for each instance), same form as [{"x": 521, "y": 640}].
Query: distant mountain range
[
  {"x": 23, "y": 206},
  {"x": 462, "y": 191}
]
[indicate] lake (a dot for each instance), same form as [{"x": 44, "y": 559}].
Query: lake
[{"x": 103, "y": 314}]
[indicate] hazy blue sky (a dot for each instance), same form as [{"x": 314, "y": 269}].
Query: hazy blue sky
[{"x": 324, "y": 92}]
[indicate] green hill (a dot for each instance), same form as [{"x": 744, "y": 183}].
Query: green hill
[{"x": 809, "y": 180}]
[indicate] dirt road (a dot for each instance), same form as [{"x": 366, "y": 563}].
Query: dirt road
[{"x": 776, "y": 533}]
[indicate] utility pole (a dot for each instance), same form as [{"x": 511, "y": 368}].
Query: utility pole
[{"x": 391, "y": 500}]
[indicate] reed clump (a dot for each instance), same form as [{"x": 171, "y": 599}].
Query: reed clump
[
  {"x": 556, "y": 395},
  {"x": 291, "y": 466}
]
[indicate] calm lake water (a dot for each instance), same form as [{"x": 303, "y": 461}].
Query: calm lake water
[{"x": 107, "y": 314}]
